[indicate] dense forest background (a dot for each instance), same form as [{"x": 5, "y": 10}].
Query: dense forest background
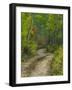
[{"x": 43, "y": 31}]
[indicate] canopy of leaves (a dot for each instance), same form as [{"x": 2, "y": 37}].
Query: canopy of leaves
[{"x": 41, "y": 30}]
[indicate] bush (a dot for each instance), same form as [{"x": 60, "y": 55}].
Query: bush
[
  {"x": 29, "y": 49},
  {"x": 32, "y": 48},
  {"x": 51, "y": 48},
  {"x": 57, "y": 62}
]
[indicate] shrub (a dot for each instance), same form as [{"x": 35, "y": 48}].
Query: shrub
[
  {"x": 32, "y": 48},
  {"x": 51, "y": 48},
  {"x": 57, "y": 62},
  {"x": 29, "y": 49}
]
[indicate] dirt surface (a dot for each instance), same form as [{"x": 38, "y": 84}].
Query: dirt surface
[{"x": 39, "y": 65}]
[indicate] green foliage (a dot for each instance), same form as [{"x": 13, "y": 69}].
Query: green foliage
[
  {"x": 29, "y": 49},
  {"x": 40, "y": 31},
  {"x": 57, "y": 62},
  {"x": 51, "y": 48},
  {"x": 32, "y": 48}
]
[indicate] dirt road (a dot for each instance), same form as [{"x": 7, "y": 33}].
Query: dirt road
[{"x": 38, "y": 65}]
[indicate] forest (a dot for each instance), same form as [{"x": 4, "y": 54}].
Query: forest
[{"x": 41, "y": 42}]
